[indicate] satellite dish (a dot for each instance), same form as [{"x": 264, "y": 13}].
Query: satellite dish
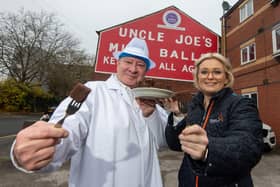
[{"x": 225, "y": 5}]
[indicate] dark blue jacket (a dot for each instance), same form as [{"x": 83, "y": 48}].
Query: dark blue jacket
[{"x": 235, "y": 144}]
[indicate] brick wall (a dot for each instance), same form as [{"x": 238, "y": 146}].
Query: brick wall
[{"x": 264, "y": 72}]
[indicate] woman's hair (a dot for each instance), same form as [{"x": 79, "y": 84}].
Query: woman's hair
[{"x": 226, "y": 63}]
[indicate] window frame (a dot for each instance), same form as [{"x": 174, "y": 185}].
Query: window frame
[
  {"x": 249, "y": 95},
  {"x": 246, "y": 10},
  {"x": 275, "y": 30},
  {"x": 247, "y": 48}
]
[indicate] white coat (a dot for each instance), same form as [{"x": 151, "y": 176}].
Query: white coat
[{"x": 110, "y": 144}]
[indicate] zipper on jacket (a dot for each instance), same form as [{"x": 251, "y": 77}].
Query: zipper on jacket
[{"x": 209, "y": 110}]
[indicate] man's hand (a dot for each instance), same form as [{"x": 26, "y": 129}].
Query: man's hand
[
  {"x": 35, "y": 145},
  {"x": 147, "y": 106},
  {"x": 194, "y": 141},
  {"x": 171, "y": 105}
]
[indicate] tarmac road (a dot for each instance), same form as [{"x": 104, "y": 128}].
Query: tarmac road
[
  {"x": 265, "y": 174},
  {"x": 12, "y": 123}
]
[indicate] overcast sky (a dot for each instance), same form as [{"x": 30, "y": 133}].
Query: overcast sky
[{"x": 84, "y": 17}]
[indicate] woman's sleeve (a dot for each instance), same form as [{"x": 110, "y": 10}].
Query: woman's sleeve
[
  {"x": 172, "y": 132},
  {"x": 240, "y": 148}
]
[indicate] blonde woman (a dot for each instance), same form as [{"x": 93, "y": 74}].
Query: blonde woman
[{"x": 222, "y": 140}]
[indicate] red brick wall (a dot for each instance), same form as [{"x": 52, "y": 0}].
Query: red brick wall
[
  {"x": 264, "y": 73},
  {"x": 259, "y": 28},
  {"x": 270, "y": 103}
]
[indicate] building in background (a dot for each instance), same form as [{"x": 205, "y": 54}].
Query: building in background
[
  {"x": 175, "y": 41},
  {"x": 251, "y": 40}
]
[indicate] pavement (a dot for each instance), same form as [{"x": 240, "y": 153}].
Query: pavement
[{"x": 266, "y": 173}]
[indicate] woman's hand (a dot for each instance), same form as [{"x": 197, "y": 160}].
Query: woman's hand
[{"x": 194, "y": 141}]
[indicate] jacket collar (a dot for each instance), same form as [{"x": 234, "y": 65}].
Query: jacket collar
[
  {"x": 113, "y": 82},
  {"x": 217, "y": 96}
]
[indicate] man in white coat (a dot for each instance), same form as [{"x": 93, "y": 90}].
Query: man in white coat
[{"x": 111, "y": 142}]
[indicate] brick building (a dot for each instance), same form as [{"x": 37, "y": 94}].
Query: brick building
[{"x": 251, "y": 40}]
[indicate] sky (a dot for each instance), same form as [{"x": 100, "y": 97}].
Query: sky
[{"x": 83, "y": 18}]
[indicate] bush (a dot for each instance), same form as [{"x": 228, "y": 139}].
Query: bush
[
  {"x": 16, "y": 96},
  {"x": 10, "y": 108}
]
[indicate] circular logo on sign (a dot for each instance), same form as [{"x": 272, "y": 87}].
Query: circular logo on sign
[{"x": 171, "y": 18}]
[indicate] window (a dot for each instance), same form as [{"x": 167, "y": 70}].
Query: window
[
  {"x": 253, "y": 96},
  {"x": 246, "y": 10},
  {"x": 276, "y": 39},
  {"x": 248, "y": 54}
]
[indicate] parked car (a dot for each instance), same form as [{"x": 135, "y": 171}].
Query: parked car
[
  {"x": 45, "y": 117},
  {"x": 269, "y": 138},
  {"x": 47, "y": 114}
]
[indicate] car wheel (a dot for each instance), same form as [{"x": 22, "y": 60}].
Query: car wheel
[{"x": 267, "y": 148}]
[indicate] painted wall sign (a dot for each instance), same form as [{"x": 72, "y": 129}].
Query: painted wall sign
[{"x": 174, "y": 39}]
